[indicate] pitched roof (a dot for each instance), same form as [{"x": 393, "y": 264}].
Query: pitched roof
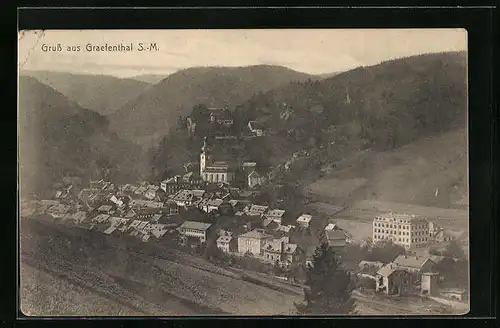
[
  {"x": 254, "y": 234},
  {"x": 370, "y": 263},
  {"x": 261, "y": 209},
  {"x": 410, "y": 261},
  {"x": 304, "y": 218},
  {"x": 195, "y": 225},
  {"x": 198, "y": 193},
  {"x": 335, "y": 235},
  {"x": 215, "y": 202},
  {"x": 330, "y": 226},
  {"x": 386, "y": 270},
  {"x": 275, "y": 213},
  {"x": 224, "y": 239}
]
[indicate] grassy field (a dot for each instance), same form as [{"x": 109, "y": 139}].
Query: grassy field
[{"x": 428, "y": 172}]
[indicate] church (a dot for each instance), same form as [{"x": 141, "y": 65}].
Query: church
[{"x": 215, "y": 171}]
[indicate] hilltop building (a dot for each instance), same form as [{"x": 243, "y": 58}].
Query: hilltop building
[{"x": 408, "y": 231}]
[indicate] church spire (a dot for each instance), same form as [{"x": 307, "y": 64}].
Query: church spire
[{"x": 204, "y": 147}]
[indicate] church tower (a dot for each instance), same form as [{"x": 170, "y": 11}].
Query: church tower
[{"x": 203, "y": 156}]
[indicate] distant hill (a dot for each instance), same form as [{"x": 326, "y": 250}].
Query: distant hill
[
  {"x": 57, "y": 137},
  {"x": 101, "y": 93},
  {"x": 149, "y": 78},
  {"x": 328, "y": 75},
  {"x": 153, "y": 112}
]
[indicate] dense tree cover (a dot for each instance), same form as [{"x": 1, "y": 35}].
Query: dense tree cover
[
  {"x": 450, "y": 249},
  {"x": 384, "y": 252},
  {"x": 154, "y": 112},
  {"x": 329, "y": 286},
  {"x": 389, "y": 105},
  {"x": 59, "y": 138}
]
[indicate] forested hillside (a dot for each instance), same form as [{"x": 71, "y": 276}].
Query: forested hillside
[
  {"x": 57, "y": 137},
  {"x": 153, "y": 113}
]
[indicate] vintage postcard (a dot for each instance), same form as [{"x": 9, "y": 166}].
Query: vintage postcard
[{"x": 270, "y": 172}]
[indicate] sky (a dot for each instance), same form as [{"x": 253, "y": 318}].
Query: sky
[{"x": 313, "y": 51}]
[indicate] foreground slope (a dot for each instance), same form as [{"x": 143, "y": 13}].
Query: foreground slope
[
  {"x": 155, "y": 111},
  {"x": 163, "y": 283},
  {"x": 101, "y": 93}
]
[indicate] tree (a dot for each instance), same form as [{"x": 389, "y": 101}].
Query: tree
[
  {"x": 385, "y": 251},
  {"x": 453, "y": 249},
  {"x": 329, "y": 285}
]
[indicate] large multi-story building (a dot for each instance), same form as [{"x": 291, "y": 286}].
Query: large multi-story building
[
  {"x": 198, "y": 230},
  {"x": 409, "y": 231}
]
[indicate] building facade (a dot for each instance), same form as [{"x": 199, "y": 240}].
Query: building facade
[
  {"x": 252, "y": 242},
  {"x": 408, "y": 231},
  {"x": 212, "y": 171},
  {"x": 194, "y": 229}
]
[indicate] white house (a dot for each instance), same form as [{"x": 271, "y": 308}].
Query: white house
[
  {"x": 195, "y": 229},
  {"x": 304, "y": 220}
]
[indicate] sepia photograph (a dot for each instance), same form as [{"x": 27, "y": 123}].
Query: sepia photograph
[{"x": 243, "y": 172}]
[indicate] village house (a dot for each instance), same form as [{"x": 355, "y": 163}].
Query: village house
[
  {"x": 414, "y": 264},
  {"x": 304, "y": 220},
  {"x": 248, "y": 167},
  {"x": 226, "y": 243},
  {"x": 170, "y": 208},
  {"x": 336, "y": 239},
  {"x": 211, "y": 205},
  {"x": 79, "y": 216},
  {"x": 254, "y": 179},
  {"x": 286, "y": 229},
  {"x": 105, "y": 209},
  {"x": 137, "y": 203},
  {"x": 275, "y": 215},
  {"x": 117, "y": 201},
  {"x": 456, "y": 294},
  {"x": 330, "y": 226},
  {"x": 409, "y": 231},
  {"x": 393, "y": 280},
  {"x": 177, "y": 183},
  {"x": 280, "y": 251},
  {"x": 270, "y": 226},
  {"x": 256, "y": 128},
  {"x": 221, "y": 116},
  {"x": 183, "y": 198},
  {"x": 145, "y": 213},
  {"x": 198, "y": 230},
  {"x": 128, "y": 189},
  {"x": 101, "y": 218},
  {"x": 255, "y": 210},
  {"x": 441, "y": 236},
  {"x": 150, "y": 193},
  {"x": 429, "y": 283},
  {"x": 252, "y": 242},
  {"x": 58, "y": 211}
]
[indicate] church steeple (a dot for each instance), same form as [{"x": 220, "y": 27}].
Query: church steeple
[{"x": 204, "y": 147}]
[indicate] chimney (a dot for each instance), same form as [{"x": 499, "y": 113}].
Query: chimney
[{"x": 282, "y": 247}]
